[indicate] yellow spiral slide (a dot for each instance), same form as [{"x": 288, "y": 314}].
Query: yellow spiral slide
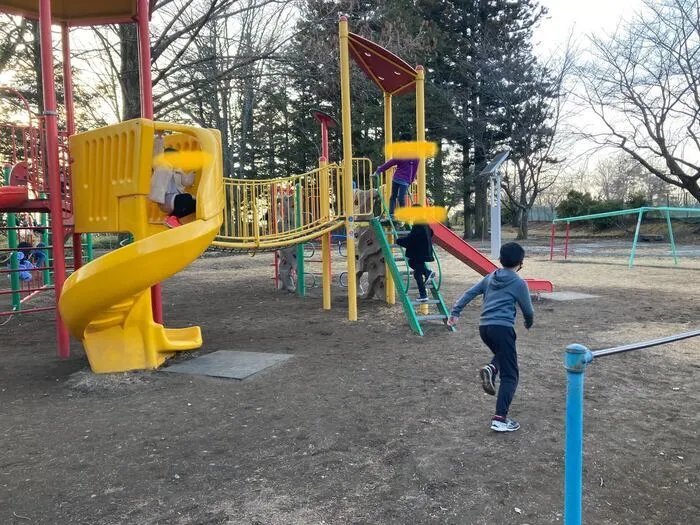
[{"x": 107, "y": 303}]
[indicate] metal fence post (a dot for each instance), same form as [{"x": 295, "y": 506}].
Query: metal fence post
[{"x": 575, "y": 360}]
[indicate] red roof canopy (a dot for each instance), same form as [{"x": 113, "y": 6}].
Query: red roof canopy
[
  {"x": 78, "y": 12},
  {"x": 392, "y": 74},
  {"x": 322, "y": 116}
]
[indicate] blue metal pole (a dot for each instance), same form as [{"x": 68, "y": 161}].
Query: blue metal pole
[
  {"x": 636, "y": 237},
  {"x": 575, "y": 360},
  {"x": 670, "y": 237}
]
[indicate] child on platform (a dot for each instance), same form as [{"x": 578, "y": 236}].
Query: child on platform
[
  {"x": 502, "y": 290},
  {"x": 404, "y": 176},
  {"x": 168, "y": 190}
]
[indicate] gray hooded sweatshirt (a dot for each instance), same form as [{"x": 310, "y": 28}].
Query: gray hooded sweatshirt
[{"x": 501, "y": 290}]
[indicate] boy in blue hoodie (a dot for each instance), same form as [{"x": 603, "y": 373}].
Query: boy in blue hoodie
[{"x": 501, "y": 289}]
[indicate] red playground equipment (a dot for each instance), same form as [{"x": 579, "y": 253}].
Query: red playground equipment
[{"x": 39, "y": 167}]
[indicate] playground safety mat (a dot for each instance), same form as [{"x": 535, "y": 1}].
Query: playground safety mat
[{"x": 229, "y": 364}]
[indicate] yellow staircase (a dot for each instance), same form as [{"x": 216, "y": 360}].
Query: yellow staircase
[{"x": 107, "y": 303}]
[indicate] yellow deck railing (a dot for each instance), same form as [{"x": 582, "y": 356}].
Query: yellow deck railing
[{"x": 273, "y": 213}]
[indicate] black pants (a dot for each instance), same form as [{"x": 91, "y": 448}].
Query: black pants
[
  {"x": 501, "y": 341},
  {"x": 184, "y": 205},
  {"x": 420, "y": 273}
]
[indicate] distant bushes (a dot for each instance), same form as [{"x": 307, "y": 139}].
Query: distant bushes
[{"x": 576, "y": 204}]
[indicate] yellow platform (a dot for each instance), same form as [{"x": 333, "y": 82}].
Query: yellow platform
[{"x": 107, "y": 303}]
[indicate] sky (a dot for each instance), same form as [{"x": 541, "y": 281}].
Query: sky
[
  {"x": 585, "y": 17},
  {"x": 580, "y": 19}
]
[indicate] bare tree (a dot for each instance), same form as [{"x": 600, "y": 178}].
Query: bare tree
[
  {"x": 643, "y": 82},
  {"x": 537, "y": 138},
  {"x": 230, "y": 58},
  {"x": 13, "y": 31},
  {"x": 617, "y": 177}
]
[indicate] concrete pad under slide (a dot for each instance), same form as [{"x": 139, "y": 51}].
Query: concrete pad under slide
[
  {"x": 566, "y": 296},
  {"x": 228, "y": 364}
]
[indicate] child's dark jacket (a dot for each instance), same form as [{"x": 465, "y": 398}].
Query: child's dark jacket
[{"x": 418, "y": 243}]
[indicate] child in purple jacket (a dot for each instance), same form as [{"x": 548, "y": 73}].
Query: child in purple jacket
[{"x": 404, "y": 176}]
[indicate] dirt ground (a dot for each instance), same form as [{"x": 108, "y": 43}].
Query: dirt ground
[{"x": 368, "y": 423}]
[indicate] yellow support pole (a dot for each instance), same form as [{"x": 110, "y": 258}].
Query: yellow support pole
[
  {"x": 420, "y": 136},
  {"x": 347, "y": 167},
  {"x": 420, "y": 130},
  {"x": 389, "y": 285},
  {"x": 324, "y": 192}
]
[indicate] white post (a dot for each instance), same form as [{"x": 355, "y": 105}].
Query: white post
[{"x": 496, "y": 215}]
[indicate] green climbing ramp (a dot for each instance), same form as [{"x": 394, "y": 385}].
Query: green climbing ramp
[{"x": 395, "y": 258}]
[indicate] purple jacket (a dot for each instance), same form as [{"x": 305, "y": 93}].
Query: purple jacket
[{"x": 406, "y": 170}]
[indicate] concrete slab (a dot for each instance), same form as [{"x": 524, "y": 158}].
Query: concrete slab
[
  {"x": 566, "y": 296},
  {"x": 228, "y": 364}
]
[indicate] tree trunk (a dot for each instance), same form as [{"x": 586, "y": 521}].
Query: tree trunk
[
  {"x": 467, "y": 190},
  {"x": 129, "y": 71},
  {"x": 129, "y": 79},
  {"x": 515, "y": 217},
  {"x": 36, "y": 53},
  {"x": 438, "y": 181},
  {"x": 481, "y": 209},
  {"x": 481, "y": 214},
  {"x": 522, "y": 227}
]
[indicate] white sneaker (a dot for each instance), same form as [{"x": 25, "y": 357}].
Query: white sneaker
[
  {"x": 422, "y": 300},
  {"x": 430, "y": 278},
  {"x": 488, "y": 381},
  {"x": 509, "y": 425}
]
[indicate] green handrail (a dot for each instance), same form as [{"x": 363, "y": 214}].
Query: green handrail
[
  {"x": 394, "y": 271},
  {"x": 385, "y": 209}
]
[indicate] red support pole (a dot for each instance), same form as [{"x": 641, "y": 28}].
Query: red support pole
[
  {"x": 147, "y": 112},
  {"x": 324, "y": 139},
  {"x": 51, "y": 149},
  {"x": 551, "y": 242},
  {"x": 70, "y": 122},
  {"x": 145, "y": 60},
  {"x": 566, "y": 242}
]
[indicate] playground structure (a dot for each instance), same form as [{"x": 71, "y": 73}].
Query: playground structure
[
  {"x": 665, "y": 211},
  {"x": 116, "y": 324},
  {"x": 290, "y": 211},
  {"x": 24, "y": 177},
  {"x": 394, "y": 77},
  {"x": 102, "y": 186}
]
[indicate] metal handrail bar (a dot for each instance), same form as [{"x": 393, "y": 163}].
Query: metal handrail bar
[{"x": 645, "y": 344}]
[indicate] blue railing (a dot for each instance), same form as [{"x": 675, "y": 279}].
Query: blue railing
[{"x": 575, "y": 360}]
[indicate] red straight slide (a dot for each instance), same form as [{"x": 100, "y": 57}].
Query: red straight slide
[{"x": 455, "y": 245}]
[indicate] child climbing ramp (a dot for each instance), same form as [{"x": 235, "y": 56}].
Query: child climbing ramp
[{"x": 419, "y": 250}]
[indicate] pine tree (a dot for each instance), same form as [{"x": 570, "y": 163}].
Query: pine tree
[
  {"x": 314, "y": 68},
  {"x": 478, "y": 44}
]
